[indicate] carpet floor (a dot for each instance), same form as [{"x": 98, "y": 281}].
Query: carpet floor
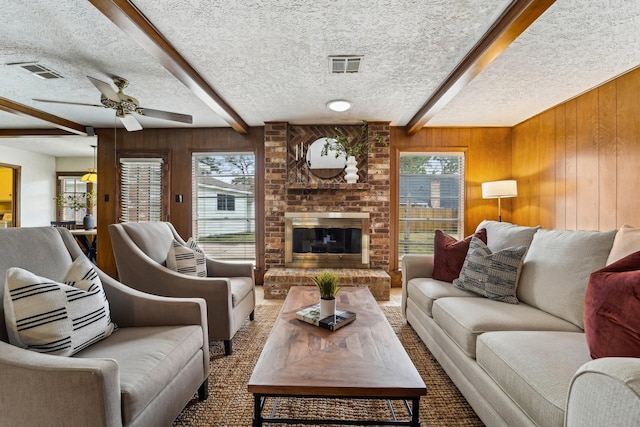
[{"x": 230, "y": 404}]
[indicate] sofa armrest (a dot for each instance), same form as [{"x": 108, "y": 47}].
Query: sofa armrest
[
  {"x": 605, "y": 392},
  {"x": 38, "y": 387},
  {"x": 414, "y": 265},
  {"x": 218, "y": 268}
]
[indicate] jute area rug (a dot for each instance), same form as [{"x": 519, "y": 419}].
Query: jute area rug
[{"x": 230, "y": 404}]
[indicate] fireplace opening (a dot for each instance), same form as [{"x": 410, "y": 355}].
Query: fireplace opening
[{"x": 326, "y": 239}]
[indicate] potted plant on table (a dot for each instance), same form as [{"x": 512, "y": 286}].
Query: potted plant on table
[
  {"x": 77, "y": 202},
  {"x": 327, "y": 283}
]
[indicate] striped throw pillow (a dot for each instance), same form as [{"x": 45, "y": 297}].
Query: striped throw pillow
[
  {"x": 493, "y": 275},
  {"x": 189, "y": 259},
  {"x": 51, "y": 317}
]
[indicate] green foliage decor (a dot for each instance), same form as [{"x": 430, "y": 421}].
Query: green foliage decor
[
  {"x": 357, "y": 147},
  {"x": 76, "y": 202},
  {"x": 327, "y": 283}
]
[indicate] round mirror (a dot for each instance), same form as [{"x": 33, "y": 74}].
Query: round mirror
[{"x": 327, "y": 166}]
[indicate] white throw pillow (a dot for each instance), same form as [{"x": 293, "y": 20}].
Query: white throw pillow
[
  {"x": 626, "y": 242},
  {"x": 189, "y": 259},
  {"x": 50, "y": 317},
  {"x": 502, "y": 235}
]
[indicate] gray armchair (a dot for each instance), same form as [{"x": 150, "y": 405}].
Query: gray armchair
[
  {"x": 140, "y": 251},
  {"x": 143, "y": 374}
]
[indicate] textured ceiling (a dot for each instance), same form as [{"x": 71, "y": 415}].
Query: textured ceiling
[
  {"x": 573, "y": 47},
  {"x": 269, "y": 59}
]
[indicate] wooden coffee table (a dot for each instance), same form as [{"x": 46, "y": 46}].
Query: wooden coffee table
[{"x": 362, "y": 360}]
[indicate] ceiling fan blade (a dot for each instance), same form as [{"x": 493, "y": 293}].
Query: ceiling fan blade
[
  {"x": 165, "y": 115},
  {"x": 105, "y": 89},
  {"x": 69, "y": 103},
  {"x": 130, "y": 123}
]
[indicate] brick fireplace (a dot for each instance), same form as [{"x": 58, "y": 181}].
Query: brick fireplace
[{"x": 291, "y": 189}]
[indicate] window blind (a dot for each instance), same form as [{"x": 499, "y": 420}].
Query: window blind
[
  {"x": 140, "y": 189},
  {"x": 431, "y": 198}
]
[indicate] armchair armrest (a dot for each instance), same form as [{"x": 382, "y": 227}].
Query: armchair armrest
[
  {"x": 38, "y": 387},
  {"x": 130, "y": 307},
  {"x": 217, "y": 268},
  {"x": 414, "y": 265},
  {"x": 605, "y": 392}
]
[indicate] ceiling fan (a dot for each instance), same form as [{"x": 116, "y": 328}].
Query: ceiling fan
[{"x": 125, "y": 105}]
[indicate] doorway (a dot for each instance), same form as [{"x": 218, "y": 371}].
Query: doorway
[{"x": 9, "y": 188}]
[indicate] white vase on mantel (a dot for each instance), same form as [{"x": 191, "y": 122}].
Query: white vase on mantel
[
  {"x": 352, "y": 170},
  {"x": 327, "y": 307}
]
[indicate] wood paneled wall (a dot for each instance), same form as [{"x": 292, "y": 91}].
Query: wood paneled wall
[
  {"x": 178, "y": 145},
  {"x": 487, "y": 158},
  {"x": 577, "y": 165}
]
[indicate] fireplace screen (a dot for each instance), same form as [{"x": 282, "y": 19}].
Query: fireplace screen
[{"x": 327, "y": 239}]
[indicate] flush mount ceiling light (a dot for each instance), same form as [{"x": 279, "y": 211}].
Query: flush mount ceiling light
[{"x": 339, "y": 105}]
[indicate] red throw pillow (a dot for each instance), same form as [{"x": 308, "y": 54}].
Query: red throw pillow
[
  {"x": 611, "y": 307},
  {"x": 449, "y": 254}
]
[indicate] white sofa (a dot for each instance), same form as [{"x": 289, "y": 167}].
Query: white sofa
[{"x": 526, "y": 364}]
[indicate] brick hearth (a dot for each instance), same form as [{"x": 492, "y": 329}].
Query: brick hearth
[
  {"x": 277, "y": 281},
  {"x": 286, "y": 191}
]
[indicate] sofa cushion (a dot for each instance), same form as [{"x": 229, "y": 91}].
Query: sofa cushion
[
  {"x": 187, "y": 259},
  {"x": 51, "y": 317},
  {"x": 556, "y": 270},
  {"x": 424, "y": 291},
  {"x": 149, "y": 358},
  {"x": 502, "y": 235},
  {"x": 534, "y": 369},
  {"x": 612, "y": 309},
  {"x": 464, "y": 319},
  {"x": 626, "y": 242},
  {"x": 493, "y": 275},
  {"x": 449, "y": 254}
]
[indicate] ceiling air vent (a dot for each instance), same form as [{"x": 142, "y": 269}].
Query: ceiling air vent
[
  {"x": 39, "y": 70},
  {"x": 345, "y": 64}
]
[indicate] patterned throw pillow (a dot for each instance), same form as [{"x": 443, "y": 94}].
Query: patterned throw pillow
[
  {"x": 189, "y": 259},
  {"x": 56, "y": 318},
  {"x": 449, "y": 254},
  {"x": 492, "y": 275}
]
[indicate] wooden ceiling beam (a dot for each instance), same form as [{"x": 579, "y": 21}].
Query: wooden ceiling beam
[
  {"x": 129, "y": 19},
  {"x": 518, "y": 16},
  {"x": 35, "y": 133},
  {"x": 58, "y": 122}
]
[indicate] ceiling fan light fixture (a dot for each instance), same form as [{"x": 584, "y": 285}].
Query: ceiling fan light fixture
[{"x": 339, "y": 105}]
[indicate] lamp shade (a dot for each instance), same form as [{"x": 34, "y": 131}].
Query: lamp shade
[
  {"x": 497, "y": 189},
  {"x": 90, "y": 176}
]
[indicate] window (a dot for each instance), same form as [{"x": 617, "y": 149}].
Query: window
[
  {"x": 431, "y": 198},
  {"x": 224, "y": 214},
  {"x": 226, "y": 202},
  {"x": 71, "y": 193},
  {"x": 141, "y": 190}
]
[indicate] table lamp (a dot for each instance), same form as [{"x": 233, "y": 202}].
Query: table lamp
[{"x": 498, "y": 190}]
